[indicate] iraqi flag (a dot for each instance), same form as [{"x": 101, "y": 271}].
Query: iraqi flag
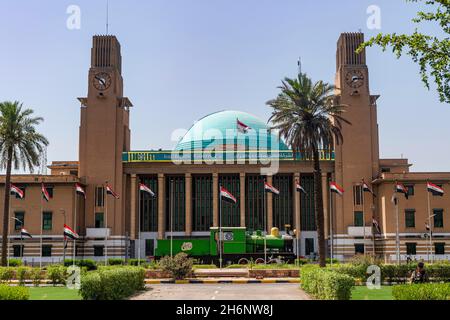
[
  {"x": 144, "y": 188},
  {"x": 45, "y": 194},
  {"x": 366, "y": 188},
  {"x": 400, "y": 188},
  {"x": 334, "y": 187},
  {"x": 242, "y": 127},
  {"x": 227, "y": 196},
  {"x": 299, "y": 188},
  {"x": 17, "y": 191},
  {"x": 376, "y": 225},
  {"x": 69, "y": 233},
  {"x": 434, "y": 189},
  {"x": 25, "y": 234},
  {"x": 110, "y": 192},
  {"x": 428, "y": 228},
  {"x": 80, "y": 190},
  {"x": 271, "y": 189}
]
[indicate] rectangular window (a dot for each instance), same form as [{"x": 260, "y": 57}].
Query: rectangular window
[
  {"x": 357, "y": 195},
  {"x": 309, "y": 246},
  {"x": 438, "y": 218},
  {"x": 18, "y": 251},
  {"x": 410, "y": 218},
  {"x": 98, "y": 251},
  {"x": 410, "y": 189},
  {"x": 411, "y": 249},
  {"x": 439, "y": 248},
  {"x": 51, "y": 191},
  {"x": 359, "y": 219},
  {"x": 359, "y": 248},
  {"x": 99, "y": 220},
  {"x": 99, "y": 197},
  {"x": 19, "y": 221},
  {"x": 47, "y": 221},
  {"x": 46, "y": 251},
  {"x": 149, "y": 248}
]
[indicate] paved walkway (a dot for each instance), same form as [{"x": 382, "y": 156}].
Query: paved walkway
[{"x": 223, "y": 292}]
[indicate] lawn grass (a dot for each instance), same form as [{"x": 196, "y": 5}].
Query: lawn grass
[
  {"x": 364, "y": 293},
  {"x": 53, "y": 293}
]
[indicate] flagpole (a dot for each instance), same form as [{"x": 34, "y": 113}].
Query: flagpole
[
  {"x": 64, "y": 238},
  {"x": 364, "y": 217},
  {"x": 139, "y": 227},
  {"x": 42, "y": 229},
  {"x": 430, "y": 257},
  {"x": 171, "y": 216},
  {"x": 75, "y": 226},
  {"x": 220, "y": 228},
  {"x": 331, "y": 226},
  {"x": 397, "y": 238},
  {"x": 265, "y": 225},
  {"x": 105, "y": 194},
  {"x": 9, "y": 230}
]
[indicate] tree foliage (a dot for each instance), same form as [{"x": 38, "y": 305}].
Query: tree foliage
[{"x": 431, "y": 52}]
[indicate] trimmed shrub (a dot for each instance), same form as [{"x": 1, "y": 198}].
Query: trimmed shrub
[
  {"x": 36, "y": 276},
  {"x": 22, "y": 274},
  {"x": 57, "y": 274},
  {"x": 422, "y": 292},
  {"x": 112, "y": 283},
  {"x": 327, "y": 284},
  {"x": 136, "y": 262},
  {"x": 14, "y": 263},
  {"x": 13, "y": 293},
  {"x": 179, "y": 267},
  {"x": 89, "y": 264},
  {"x": 6, "y": 274},
  {"x": 116, "y": 262}
]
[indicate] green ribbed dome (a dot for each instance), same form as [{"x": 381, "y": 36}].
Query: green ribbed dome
[{"x": 221, "y": 129}]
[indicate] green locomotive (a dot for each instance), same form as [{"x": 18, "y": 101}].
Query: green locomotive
[{"x": 238, "y": 246}]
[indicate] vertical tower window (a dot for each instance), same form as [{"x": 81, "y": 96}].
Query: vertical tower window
[
  {"x": 410, "y": 218},
  {"x": 438, "y": 218},
  {"x": 99, "y": 197},
  {"x": 47, "y": 221}
]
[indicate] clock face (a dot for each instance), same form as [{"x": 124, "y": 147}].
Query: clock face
[
  {"x": 354, "y": 79},
  {"x": 102, "y": 81}
]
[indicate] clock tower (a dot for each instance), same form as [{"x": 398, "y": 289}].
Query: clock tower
[
  {"x": 358, "y": 157},
  {"x": 104, "y": 136}
]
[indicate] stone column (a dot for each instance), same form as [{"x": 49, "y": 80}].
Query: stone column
[
  {"x": 269, "y": 206},
  {"x": 297, "y": 199},
  {"x": 161, "y": 206},
  {"x": 326, "y": 204},
  {"x": 134, "y": 207},
  {"x": 189, "y": 218},
  {"x": 215, "y": 200},
  {"x": 243, "y": 198}
]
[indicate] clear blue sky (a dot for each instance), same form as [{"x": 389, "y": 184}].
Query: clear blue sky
[{"x": 183, "y": 59}]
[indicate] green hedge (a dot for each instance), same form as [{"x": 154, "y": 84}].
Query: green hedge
[
  {"x": 112, "y": 283},
  {"x": 396, "y": 273},
  {"x": 326, "y": 284},
  {"x": 422, "y": 292},
  {"x": 13, "y": 293},
  {"x": 90, "y": 265}
]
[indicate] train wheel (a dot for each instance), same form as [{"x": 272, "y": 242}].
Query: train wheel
[
  {"x": 243, "y": 261},
  {"x": 260, "y": 261}
]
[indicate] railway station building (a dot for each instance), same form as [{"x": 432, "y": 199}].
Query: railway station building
[{"x": 215, "y": 153}]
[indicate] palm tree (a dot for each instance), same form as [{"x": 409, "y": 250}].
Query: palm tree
[
  {"x": 307, "y": 117},
  {"x": 20, "y": 145}
]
